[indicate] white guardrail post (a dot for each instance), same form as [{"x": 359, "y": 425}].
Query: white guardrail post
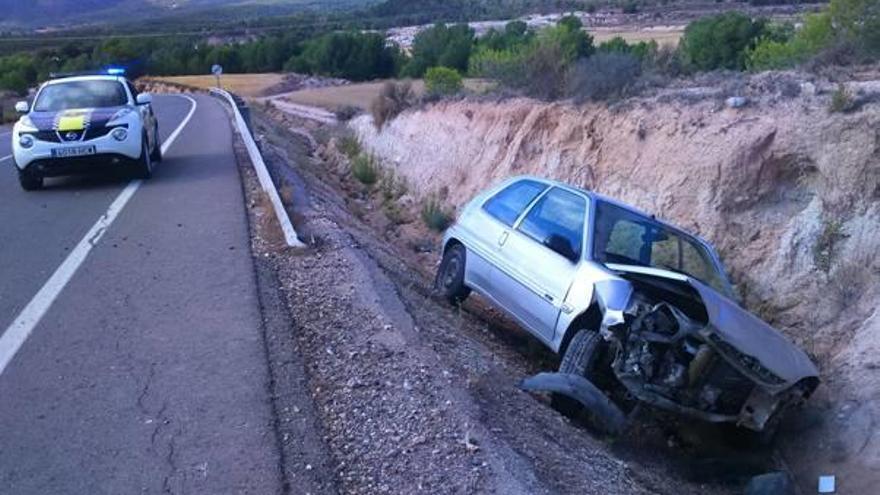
[{"x": 262, "y": 172}]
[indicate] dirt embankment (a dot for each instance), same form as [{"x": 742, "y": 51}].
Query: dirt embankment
[{"x": 788, "y": 190}]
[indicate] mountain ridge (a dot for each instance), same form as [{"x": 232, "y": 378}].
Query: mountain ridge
[{"x": 45, "y": 13}]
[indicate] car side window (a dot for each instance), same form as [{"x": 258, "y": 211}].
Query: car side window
[
  {"x": 557, "y": 221},
  {"x": 507, "y": 205}
]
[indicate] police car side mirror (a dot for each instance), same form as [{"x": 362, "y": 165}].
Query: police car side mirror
[
  {"x": 22, "y": 107},
  {"x": 144, "y": 99}
]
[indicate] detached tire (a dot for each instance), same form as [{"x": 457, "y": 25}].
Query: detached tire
[
  {"x": 29, "y": 181},
  {"x": 450, "y": 275},
  {"x": 581, "y": 358},
  {"x": 143, "y": 167}
]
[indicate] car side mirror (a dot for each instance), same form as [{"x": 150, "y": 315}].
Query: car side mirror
[
  {"x": 144, "y": 99},
  {"x": 22, "y": 107},
  {"x": 560, "y": 245}
]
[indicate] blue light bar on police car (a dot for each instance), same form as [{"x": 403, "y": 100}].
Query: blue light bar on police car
[{"x": 116, "y": 71}]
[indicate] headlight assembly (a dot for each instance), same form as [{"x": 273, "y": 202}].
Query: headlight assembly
[
  {"x": 119, "y": 134},
  {"x": 26, "y": 141},
  {"x": 119, "y": 116},
  {"x": 27, "y": 124}
]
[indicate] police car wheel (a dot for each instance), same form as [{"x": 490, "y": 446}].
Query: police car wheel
[
  {"x": 30, "y": 181},
  {"x": 144, "y": 165},
  {"x": 156, "y": 154}
]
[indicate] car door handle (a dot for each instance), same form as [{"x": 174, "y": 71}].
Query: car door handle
[
  {"x": 503, "y": 238},
  {"x": 548, "y": 297}
]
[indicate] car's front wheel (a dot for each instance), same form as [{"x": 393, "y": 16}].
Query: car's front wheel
[
  {"x": 30, "y": 181},
  {"x": 143, "y": 167},
  {"x": 450, "y": 275},
  {"x": 583, "y": 357}
]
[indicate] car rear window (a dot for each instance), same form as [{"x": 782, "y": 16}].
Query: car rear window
[
  {"x": 81, "y": 94},
  {"x": 507, "y": 205}
]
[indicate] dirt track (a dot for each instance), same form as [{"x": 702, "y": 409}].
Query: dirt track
[{"x": 413, "y": 396}]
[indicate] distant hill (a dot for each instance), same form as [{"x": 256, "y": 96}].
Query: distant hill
[{"x": 37, "y": 13}]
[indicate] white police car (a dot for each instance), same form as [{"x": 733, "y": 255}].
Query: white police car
[{"x": 84, "y": 124}]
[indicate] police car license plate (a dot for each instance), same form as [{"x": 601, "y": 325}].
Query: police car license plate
[{"x": 73, "y": 151}]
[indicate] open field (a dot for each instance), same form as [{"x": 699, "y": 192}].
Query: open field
[
  {"x": 663, "y": 35},
  {"x": 355, "y": 95},
  {"x": 247, "y": 85},
  {"x": 360, "y": 95}
]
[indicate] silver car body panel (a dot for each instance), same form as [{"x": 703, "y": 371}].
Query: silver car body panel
[{"x": 546, "y": 293}]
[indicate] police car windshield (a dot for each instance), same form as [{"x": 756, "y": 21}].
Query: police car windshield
[{"x": 81, "y": 94}]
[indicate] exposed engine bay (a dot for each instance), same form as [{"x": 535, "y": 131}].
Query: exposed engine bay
[{"x": 666, "y": 353}]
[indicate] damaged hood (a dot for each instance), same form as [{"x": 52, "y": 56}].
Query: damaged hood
[{"x": 740, "y": 329}]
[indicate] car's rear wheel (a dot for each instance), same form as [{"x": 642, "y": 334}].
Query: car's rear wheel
[
  {"x": 143, "y": 167},
  {"x": 156, "y": 154},
  {"x": 583, "y": 357},
  {"x": 450, "y": 275},
  {"x": 30, "y": 181}
]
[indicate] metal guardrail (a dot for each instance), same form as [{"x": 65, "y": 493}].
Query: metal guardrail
[{"x": 262, "y": 172}]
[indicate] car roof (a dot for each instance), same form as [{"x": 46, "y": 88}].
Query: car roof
[
  {"x": 94, "y": 77},
  {"x": 596, "y": 196}
]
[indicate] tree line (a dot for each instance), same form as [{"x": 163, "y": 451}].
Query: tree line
[{"x": 547, "y": 63}]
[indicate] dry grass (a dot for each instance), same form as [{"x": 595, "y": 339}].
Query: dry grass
[
  {"x": 286, "y": 194},
  {"x": 663, "y": 35},
  {"x": 355, "y": 95},
  {"x": 248, "y": 85},
  {"x": 360, "y": 95}
]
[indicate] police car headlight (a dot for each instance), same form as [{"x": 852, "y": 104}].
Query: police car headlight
[
  {"x": 26, "y": 123},
  {"x": 119, "y": 134},
  {"x": 121, "y": 116},
  {"x": 26, "y": 141}
]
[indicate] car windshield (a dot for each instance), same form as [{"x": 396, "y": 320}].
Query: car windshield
[
  {"x": 81, "y": 94},
  {"x": 625, "y": 237}
]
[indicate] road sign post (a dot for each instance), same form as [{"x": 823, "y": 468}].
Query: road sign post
[{"x": 217, "y": 70}]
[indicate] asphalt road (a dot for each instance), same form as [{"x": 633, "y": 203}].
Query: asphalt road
[{"x": 132, "y": 335}]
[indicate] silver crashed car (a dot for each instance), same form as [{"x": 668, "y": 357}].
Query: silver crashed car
[{"x": 637, "y": 308}]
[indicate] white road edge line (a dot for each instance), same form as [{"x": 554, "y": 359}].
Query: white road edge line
[
  {"x": 20, "y": 329},
  {"x": 7, "y": 157}
]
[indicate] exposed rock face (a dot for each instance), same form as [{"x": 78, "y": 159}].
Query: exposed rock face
[{"x": 789, "y": 193}]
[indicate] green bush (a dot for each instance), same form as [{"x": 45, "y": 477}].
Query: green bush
[
  {"x": 539, "y": 67},
  {"x": 645, "y": 51},
  {"x": 440, "y": 46},
  {"x": 349, "y": 146},
  {"x": 365, "y": 169},
  {"x": 777, "y": 52},
  {"x": 505, "y": 66},
  {"x": 720, "y": 41},
  {"x": 570, "y": 37},
  {"x": 515, "y": 35},
  {"x": 435, "y": 216},
  {"x": 841, "y": 100},
  {"x": 442, "y": 81},
  {"x": 857, "y": 22}
]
